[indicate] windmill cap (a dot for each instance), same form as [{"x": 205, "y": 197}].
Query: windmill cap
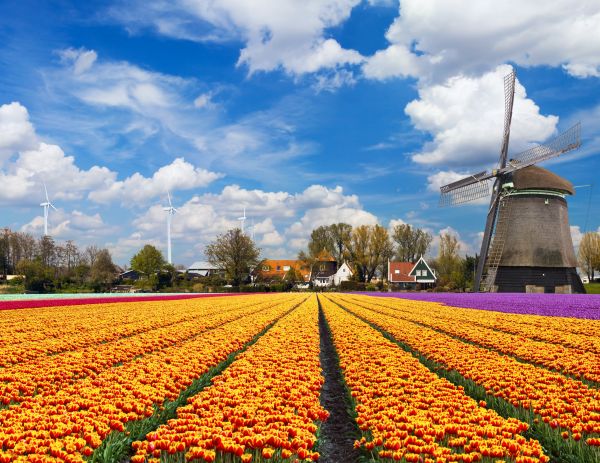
[{"x": 538, "y": 178}]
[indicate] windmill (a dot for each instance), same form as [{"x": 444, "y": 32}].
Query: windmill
[
  {"x": 46, "y": 205},
  {"x": 170, "y": 210},
  {"x": 242, "y": 219},
  {"x": 526, "y": 244}
]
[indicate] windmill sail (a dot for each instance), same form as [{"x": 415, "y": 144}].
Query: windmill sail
[
  {"x": 468, "y": 189},
  {"x": 567, "y": 141}
]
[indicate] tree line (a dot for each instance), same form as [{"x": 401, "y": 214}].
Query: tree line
[
  {"x": 49, "y": 266},
  {"x": 367, "y": 248},
  {"x": 589, "y": 254}
]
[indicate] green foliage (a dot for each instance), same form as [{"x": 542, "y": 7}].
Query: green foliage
[
  {"x": 592, "y": 288},
  {"x": 352, "y": 285},
  {"x": 411, "y": 243},
  {"x": 235, "y": 253},
  {"x": 148, "y": 261}
]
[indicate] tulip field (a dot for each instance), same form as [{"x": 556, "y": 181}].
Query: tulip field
[{"x": 248, "y": 378}]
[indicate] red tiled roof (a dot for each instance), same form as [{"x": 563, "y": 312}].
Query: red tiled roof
[
  {"x": 403, "y": 275},
  {"x": 276, "y": 268}
]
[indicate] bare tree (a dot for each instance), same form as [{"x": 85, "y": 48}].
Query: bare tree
[
  {"x": 589, "y": 253},
  {"x": 411, "y": 243}
]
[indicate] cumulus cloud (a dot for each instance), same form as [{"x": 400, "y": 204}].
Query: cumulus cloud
[
  {"x": 16, "y": 131},
  {"x": 286, "y": 34},
  {"x": 179, "y": 175},
  {"x": 75, "y": 225},
  {"x": 35, "y": 162},
  {"x": 436, "y": 39},
  {"x": 465, "y": 117},
  {"x": 283, "y": 221}
]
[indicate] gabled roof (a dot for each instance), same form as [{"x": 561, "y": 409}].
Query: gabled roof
[
  {"x": 272, "y": 264},
  {"x": 426, "y": 265},
  {"x": 403, "y": 276}
]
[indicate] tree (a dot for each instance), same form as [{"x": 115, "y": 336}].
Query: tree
[
  {"x": 235, "y": 253},
  {"x": 320, "y": 239},
  {"x": 148, "y": 261},
  {"x": 589, "y": 253},
  {"x": 103, "y": 271},
  {"x": 340, "y": 235},
  {"x": 448, "y": 263},
  {"x": 369, "y": 248},
  {"x": 411, "y": 243}
]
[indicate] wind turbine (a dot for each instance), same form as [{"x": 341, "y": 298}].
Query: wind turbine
[
  {"x": 46, "y": 205},
  {"x": 170, "y": 211},
  {"x": 252, "y": 232},
  {"x": 242, "y": 219}
]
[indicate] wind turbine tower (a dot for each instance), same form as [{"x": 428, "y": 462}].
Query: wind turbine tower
[
  {"x": 170, "y": 210},
  {"x": 46, "y": 205},
  {"x": 242, "y": 219}
]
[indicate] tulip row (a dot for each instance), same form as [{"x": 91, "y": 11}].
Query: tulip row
[
  {"x": 264, "y": 406},
  {"x": 559, "y": 401},
  {"x": 407, "y": 413},
  {"x": 48, "y": 375},
  {"x": 579, "y": 334},
  {"x": 568, "y": 360},
  {"x": 28, "y": 334},
  {"x": 71, "y": 424}
]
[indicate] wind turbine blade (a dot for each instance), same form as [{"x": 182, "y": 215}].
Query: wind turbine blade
[
  {"x": 46, "y": 191},
  {"x": 176, "y": 210},
  {"x": 52, "y": 206},
  {"x": 169, "y": 196}
]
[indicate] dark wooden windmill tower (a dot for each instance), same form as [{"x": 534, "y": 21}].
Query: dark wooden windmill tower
[{"x": 527, "y": 245}]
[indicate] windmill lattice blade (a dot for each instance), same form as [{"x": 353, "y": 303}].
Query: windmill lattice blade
[
  {"x": 567, "y": 141},
  {"x": 509, "y": 98},
  {"x": 467, "y": 192}
]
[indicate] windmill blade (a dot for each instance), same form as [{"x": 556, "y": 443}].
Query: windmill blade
[
  {"x": 468, "y": 189},
  {"x": 509, "y": 98},
  {"x": 52, "y": 206},
  {"x": 169, "y": 196},
  {"x": 569, "y": 140}
]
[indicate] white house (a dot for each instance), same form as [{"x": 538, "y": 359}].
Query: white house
[{"x": 343, "y": 274}]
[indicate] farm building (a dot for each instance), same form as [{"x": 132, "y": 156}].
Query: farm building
[
  {"x": 276, "y": 269},
  {"x": 202, "y": 269},
  {"x": 409, "y": 275}
]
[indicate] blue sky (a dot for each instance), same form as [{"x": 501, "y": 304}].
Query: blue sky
[{"x": 305, "y": 113}]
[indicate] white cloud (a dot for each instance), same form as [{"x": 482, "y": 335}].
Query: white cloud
[
  {"x": 286, "y": 34},
  {"x": 204, "y": 100},
  {"x": 283, "y": 221},
  {"x": 465, "y": 116},
  {"x": 37, "y": 162},
  {"x": 16, "y": 131},
  {"x": 81, "y": 59},
  {"x": 435, "y": 39},
  {"x": 75, "y": 225},
  {"x": 179, "y": 175},
  {"x": 576, "y": 236}
]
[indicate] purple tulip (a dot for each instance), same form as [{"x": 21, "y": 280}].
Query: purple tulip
[{"x": 556, "y": 305}]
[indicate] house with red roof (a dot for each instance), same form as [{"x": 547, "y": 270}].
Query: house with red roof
[{"x": 409, "y": 275}]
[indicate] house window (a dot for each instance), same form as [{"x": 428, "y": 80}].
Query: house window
[
  {"x": 266, "y": 268},
  {"x": 397, "y": 272},
  {"x": 343, "y": 270},
  {"x": 322, "y": 267},
  {"x": 278, "y": 267},
  {"x": 286, "y": 267}
]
